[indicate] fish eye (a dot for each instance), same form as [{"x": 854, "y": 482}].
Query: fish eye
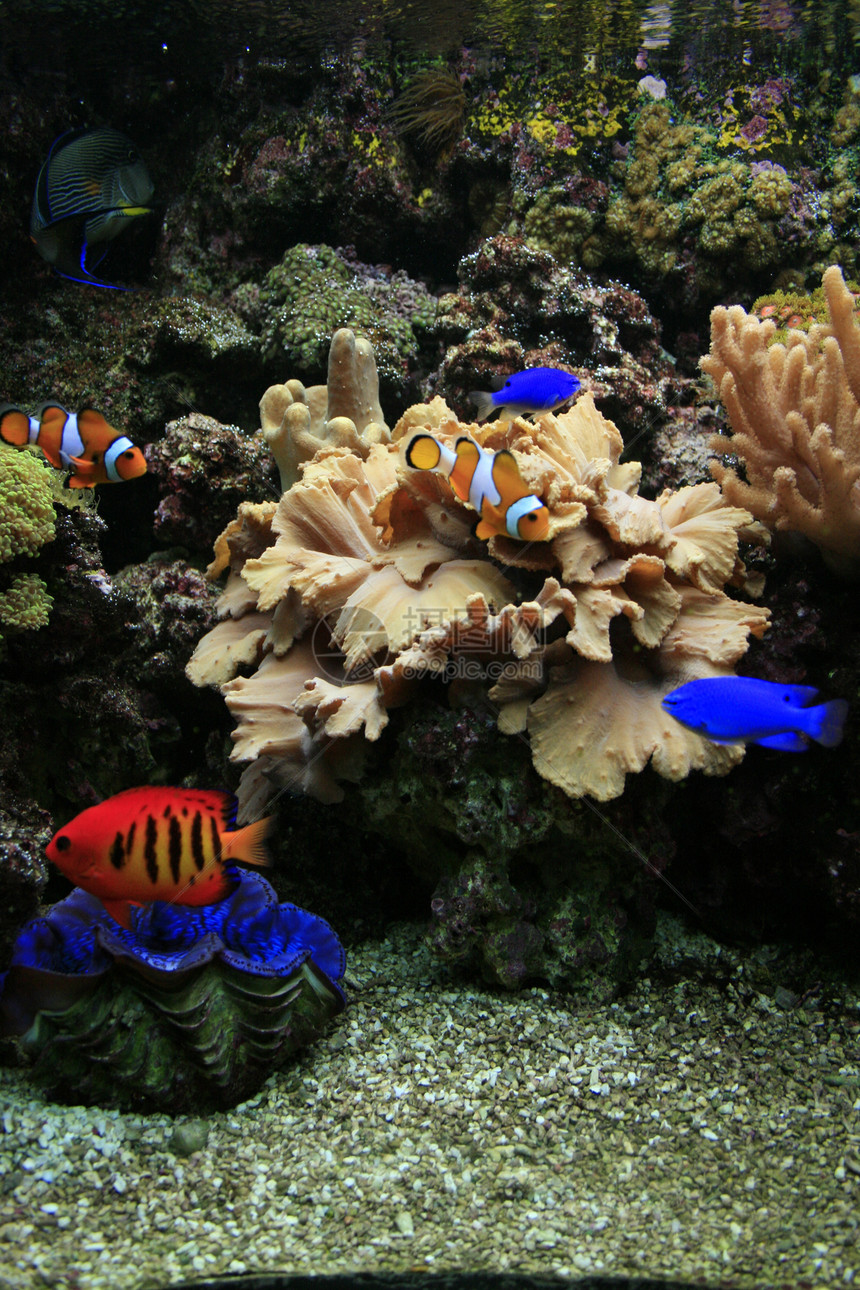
[
  {"x": 62, "y": 843},
  {"x": 530, "y": 515},
  {"x": 129, "y": 452}
]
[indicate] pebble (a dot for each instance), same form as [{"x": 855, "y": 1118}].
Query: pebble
[{"x": 686, "y": 1129}]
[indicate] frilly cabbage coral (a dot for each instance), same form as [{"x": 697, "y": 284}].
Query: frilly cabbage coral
[{"x": 366, "y": 580}]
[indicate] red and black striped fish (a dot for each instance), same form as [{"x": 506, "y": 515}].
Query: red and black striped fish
[{"x": 150, "y": 844}]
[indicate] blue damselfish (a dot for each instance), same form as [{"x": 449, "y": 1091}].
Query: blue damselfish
[
  {"x": 740, "y": 710},
  {"x": 540, "y": 389}
]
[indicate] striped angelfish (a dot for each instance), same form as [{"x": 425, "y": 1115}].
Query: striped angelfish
[
  {"x": 92, "y": 185},
  {"x": 155, "y": 843}
]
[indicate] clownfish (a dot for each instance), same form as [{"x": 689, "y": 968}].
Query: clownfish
[
  {"x": 539, "y": 389},
  {"x": 490, "y": 482},
  {"x": 147, "y": 844},
  {"x": 82, "y": 442},
  {"x": 741, "y": 710}
]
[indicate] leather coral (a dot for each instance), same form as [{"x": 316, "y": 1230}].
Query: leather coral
[{"x": 794, "y": 410}]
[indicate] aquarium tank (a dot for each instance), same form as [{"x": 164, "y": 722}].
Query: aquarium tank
[{"x": 429, "y": 566}]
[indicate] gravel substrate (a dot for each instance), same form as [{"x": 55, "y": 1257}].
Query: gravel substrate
[{"x": 689, "y": 1130}]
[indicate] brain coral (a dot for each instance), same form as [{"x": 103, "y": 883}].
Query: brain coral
[{"x": 365, "y": 585}]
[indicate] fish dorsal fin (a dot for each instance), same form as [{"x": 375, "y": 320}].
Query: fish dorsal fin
[
  {"x": 52, "y": 412},
  {"x": 507, "y": 477},
  {"x": 92, "y": 423},
  {"x": 801, "y": 696},
  {"x": 468, "y": 452}
]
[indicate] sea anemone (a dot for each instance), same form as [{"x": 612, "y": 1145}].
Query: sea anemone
[{"x": 432, "y": 108}]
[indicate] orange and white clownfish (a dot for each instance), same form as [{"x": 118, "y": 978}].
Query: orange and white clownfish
[
  {"x": 83, "y": 443},
  {"x": 490, "y": 482}
]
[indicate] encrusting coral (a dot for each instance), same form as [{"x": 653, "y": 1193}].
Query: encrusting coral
[
  {"x": 27, "y": 523},
  {"x": 795, "y": 416},
  {"x": 367, "y": 579}
]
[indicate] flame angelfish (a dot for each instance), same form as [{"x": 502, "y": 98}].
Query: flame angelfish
[{"x": 146, "y": 844}]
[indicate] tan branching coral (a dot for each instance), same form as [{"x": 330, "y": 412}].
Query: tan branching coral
[
  {"x": 344, "y": 413},
  {"x": 795, "y": 416},
  {"x": 366, "y": 584}
]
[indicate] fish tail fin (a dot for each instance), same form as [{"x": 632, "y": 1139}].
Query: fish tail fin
[
  {"x": 14, "y": 425},
  {"x": 829, "y": 718},
  {"x": 485, "y": 403},
  {"x": 248, "y": 844}
]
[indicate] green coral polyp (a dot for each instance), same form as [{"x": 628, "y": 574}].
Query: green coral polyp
[
  {"x": 26, "y": 504},
  {"x": 25, "y": 605}
]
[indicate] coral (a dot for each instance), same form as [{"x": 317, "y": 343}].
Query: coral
[
  {"x": 189, "y": 1011},
  {"x": 297, "y": 422},
  {"x": 27, "y": 524},
  {"x": 315, "y": 290},
  {"x": 204, "y": 470},
  {"x": 26, "y": 503},
  {"x": 795, "y": 416},
  {"x": 371, "y": 567},
  {"x": 25, "y": 604},
  {"x": 688, "y": 211},
  {"x": 516, "y": 307},
  {"x": 432, "y": 108}
]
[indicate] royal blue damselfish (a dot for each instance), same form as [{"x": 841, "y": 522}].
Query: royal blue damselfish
[
  {"x": 740, "y": 710},
  {"x": 540, "y": 389}
]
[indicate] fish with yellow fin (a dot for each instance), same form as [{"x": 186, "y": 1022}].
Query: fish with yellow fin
[
  {"x": 82, "y": 442},
  {"x": 490, "y": 482},
  {"x": 94, "y": 185},
  {"x": 156, "y": 843}
]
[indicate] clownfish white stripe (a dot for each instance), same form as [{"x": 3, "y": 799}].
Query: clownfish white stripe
[
  {"x": 482, "y": 487},
  {"x": 71, "y": 443},
  {"x": 516, "y": 511},
  {"x": 120, "y": 445},
  {"x": 35, "y": 427}
]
